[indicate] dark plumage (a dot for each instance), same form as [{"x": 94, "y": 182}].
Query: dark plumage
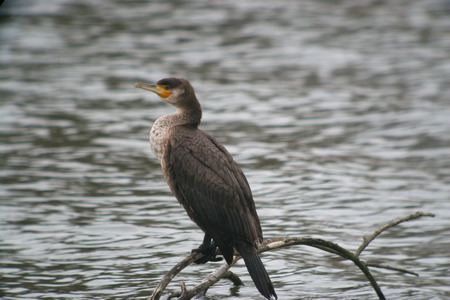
[{"x": 207, "y": 181}]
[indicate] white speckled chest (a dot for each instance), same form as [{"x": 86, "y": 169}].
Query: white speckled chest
[{"x": 159, "y": 134}]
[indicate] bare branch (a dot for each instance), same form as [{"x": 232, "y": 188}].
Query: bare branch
[
  {"x": 281, "y": 242},
  {"x": 368, "y": 239},
  {"x": 332, "y": 248}
]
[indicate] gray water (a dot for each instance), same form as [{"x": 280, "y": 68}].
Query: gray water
[{"x": 337, "y": 111}]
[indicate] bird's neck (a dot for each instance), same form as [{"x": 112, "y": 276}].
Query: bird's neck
[
  {"x": 191, "y": 117},
  {"x": 160, "y": 132}
]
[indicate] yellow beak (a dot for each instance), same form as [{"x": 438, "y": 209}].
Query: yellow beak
[{"x": 160, "y": 90}]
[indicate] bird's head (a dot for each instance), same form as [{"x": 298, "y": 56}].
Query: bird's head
[{"x": 171, "y": 89}]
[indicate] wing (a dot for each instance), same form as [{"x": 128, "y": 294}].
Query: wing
[{"x": 211, "y": 186}]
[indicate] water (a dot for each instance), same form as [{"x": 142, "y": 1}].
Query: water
[{"x": 337, "y": 111}]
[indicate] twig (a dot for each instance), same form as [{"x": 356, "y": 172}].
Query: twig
[
  {"x": 233, "y": 278},
  {"x": 381, "y": 266},
  {"x": 370, "y": 238},
  {"x": 210, "y": 280},
  {"x": 183, "y": 289},
  {"x": 172, "y": 273}
]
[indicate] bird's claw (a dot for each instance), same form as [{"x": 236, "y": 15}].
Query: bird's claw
[{"x": 209, "y": 254}]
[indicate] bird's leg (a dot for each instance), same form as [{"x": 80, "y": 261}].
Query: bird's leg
[{"x": 208, "y": 249}]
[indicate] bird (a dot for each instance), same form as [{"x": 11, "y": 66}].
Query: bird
[{"x": 207, "y": 182}]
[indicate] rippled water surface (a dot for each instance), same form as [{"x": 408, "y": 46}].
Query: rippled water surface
[{"x": 337, "y": 111}]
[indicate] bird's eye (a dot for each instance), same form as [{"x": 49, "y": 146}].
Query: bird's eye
[{"x": 166, "y": 87}]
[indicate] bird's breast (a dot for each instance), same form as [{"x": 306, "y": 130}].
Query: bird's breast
[{"x": 158, "y": 136}]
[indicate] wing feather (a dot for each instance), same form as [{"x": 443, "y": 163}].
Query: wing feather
[{"x": 211, "y": 186}]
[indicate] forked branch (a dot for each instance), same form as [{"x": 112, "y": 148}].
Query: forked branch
[
  {"x": 276, "y": 243},
  {"x": 386, "y": 226}
]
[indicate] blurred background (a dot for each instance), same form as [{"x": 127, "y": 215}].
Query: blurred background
[{"x": 337, "y": 111}]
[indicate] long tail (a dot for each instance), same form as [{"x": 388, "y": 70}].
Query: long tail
[{"x": 258, "y": 273}]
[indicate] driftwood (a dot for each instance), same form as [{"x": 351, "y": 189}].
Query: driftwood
[{"x": 276, "y": 243}]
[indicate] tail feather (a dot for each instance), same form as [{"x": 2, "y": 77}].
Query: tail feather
[{"x": 258, "y": 273}]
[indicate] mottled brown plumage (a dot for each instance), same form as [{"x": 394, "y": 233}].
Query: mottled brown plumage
[{"x": 207, "y": 181}]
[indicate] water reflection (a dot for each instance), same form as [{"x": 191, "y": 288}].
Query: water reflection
[{"x": 337, "y": 112}]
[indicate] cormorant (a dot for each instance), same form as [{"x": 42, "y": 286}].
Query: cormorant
[{"x": 206, "y": 180}]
